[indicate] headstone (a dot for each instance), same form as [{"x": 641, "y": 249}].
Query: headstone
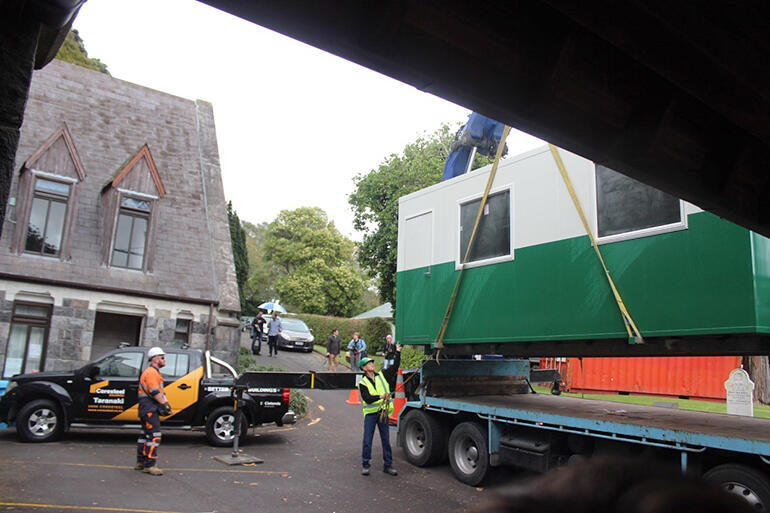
[{"x": 740, "y": 393}]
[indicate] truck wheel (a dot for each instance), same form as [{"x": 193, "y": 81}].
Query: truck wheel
[
  {"x": 40, "y": 421},
  {"x": 468, "y": 453},
  {"x": 220, "y": 427},
  {"x": 746, "y": 482},
  {"x": 423, "y": 439}
]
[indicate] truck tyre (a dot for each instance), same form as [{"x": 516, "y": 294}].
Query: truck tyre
[
  {"x": 220, "y": 427},
  {"x": 468, "y": 453},
  {"x": 40, "y": 420},
  {"x": 744, "y": 481},
  {"x": 423, "y": 439}
]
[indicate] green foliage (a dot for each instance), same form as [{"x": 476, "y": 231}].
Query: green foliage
[
  {"x": 376, "y": 330},
  {"x": 412, "y": 357},
  {"x": 297, "y": 400},
  {"x": 73, "y": 50},
  {"x": 320, "y": 275},
  {"x": 241, "y": 258},
  {"x": 260, "y": 286},
  {"x": 375, "y": 201}
]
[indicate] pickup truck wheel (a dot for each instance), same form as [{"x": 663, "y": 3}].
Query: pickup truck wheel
[
  {"x": 220, "y": 427},
  {"x": 468, "y": 454},
  {"x": 750, "y": 484},
  {"x": 423, "y": 439},
  {"x": 39, "y": 421}
]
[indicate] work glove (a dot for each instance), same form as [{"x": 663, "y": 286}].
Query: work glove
[{"x": 164, "y": 410}]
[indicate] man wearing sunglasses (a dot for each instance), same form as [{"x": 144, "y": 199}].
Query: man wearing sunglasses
[{"x": 152, "y": 405}]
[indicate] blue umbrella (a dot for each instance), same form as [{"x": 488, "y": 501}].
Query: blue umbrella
[{"x": 271, "y": 305}]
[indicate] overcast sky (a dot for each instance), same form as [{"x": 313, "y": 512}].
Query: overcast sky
[{"x": 294, "y": 124}]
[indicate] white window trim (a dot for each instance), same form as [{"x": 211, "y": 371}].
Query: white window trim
[
  {"x": 493, "y": 260},
  {"x": 636, "y": 234},
  {"x": 53, "y": 176}
]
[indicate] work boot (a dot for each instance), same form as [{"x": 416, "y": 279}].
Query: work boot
[
  {"x": 365, "y": 471},
  {"x": 153, "y": 471},
  {"x": 139, "y": 466},
  {"x": 391, "y": 471}
]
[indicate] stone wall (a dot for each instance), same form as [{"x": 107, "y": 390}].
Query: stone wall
[{"x": 72, "y": 324}]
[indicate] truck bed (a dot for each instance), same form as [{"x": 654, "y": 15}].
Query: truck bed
[{"x": 683, "y": 429}]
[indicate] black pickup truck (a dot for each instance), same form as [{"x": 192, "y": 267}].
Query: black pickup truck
[{"x": 104, "y": 394}]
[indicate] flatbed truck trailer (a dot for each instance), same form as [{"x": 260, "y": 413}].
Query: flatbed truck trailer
[{"x": 483, "y": 414}]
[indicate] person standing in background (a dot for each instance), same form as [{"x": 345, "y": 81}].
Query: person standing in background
[
  {"x": 333, "y": 350},
  {"x": 357, "y": 348},
  {"x": 390, "y": 352},
  {"x": 272, "y": 334}
]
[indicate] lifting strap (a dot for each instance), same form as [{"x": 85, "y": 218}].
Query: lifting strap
[
  {"x": 439, "y": 343},
  {"x": 634, "y": 337}
]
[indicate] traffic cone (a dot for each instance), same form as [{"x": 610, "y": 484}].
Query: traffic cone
[
  {"x": 354, "y": 398},
  {"x": 399, "y": 400}
]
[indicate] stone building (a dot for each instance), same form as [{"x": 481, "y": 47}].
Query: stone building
[{"x": 116, "y": 228}]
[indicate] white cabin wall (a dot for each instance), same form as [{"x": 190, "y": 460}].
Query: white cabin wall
[{"x": 543, "y": 210}]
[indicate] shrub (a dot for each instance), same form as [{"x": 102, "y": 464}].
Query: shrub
[{"x": 411, "y": 357}]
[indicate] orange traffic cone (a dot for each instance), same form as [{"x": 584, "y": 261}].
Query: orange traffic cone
[
  {"x": 399, "y": 400},
  {"x": 354, "y": 398}
]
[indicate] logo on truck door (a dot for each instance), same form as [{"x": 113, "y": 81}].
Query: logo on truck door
[{"x": 104, "y": 399}]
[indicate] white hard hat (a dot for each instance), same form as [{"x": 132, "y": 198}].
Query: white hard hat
[{"x": 154, "y": 351}]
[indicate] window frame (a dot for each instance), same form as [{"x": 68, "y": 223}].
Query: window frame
[
  {"x": 187, "y": 333},
  {"x": 29, "y": 321},
  {"x": 634, "y": 234},
  {"x": 134, "y": 214},
  {"x": 67, "y": 200},
  {"x": 511, "y": 246}
]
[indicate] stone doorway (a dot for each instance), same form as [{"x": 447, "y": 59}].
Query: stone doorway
[{"x": 111, "y": 330}]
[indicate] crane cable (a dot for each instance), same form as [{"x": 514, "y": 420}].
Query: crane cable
[
  {"x": 634, "y": 337},
  {"x": 439, "y": 343}
]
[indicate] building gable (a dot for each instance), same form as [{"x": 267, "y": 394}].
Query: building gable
[
  {"x": 140, "y": 175},
  {"x": 58, "y": 156}
]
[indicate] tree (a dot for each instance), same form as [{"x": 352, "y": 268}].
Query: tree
[
  {"x": 375, "y": 201},
  {"x": 320, "y": 274},
  {"x": 73, "y": 50},
  {"x": 263, "y": 275},
  {"x": 241, "y": 258}
]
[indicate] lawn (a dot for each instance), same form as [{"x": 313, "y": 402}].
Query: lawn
[{"x": 760, "y": 410}]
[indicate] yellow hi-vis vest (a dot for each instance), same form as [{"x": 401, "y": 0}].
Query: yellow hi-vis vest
[{"x": 379, "y": 387}]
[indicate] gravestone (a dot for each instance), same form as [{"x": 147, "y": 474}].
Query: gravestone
[{"x": 740, "y": 393}]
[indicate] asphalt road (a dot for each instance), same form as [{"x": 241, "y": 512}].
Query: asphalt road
[{"x": 313, "y": 465}]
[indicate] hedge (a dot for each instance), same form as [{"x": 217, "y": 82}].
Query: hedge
[{"x": 372, "y": 330}]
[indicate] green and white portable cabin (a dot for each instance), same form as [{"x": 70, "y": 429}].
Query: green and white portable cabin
[{"x": 693, "y": 283}]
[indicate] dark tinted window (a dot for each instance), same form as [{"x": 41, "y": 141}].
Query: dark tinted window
[
  {"x": 493, "y": 236},
  {"x": 626, "y": 205}
]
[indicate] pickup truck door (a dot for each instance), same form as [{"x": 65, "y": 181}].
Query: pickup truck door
[
  {"x": 181, "y": 381},
  {"x": 107, "y": 387}
]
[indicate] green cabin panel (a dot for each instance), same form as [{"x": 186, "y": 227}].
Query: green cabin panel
[{"x": 711, "y": 278}]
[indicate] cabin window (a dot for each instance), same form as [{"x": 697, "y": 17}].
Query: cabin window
[
  {"x": 493, "y": 237},
  {"x": 27, "y": 339},
  {"x": 45, "y": 228},
  {"x": 130, "y": 243},
  {"x": 628, "y": 209}
]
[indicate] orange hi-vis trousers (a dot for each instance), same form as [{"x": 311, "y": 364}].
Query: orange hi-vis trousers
[{"x": 149, "y": 441}]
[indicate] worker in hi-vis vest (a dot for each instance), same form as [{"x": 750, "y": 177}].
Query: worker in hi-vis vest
[
  {"x": 152, "y": 405},
  {"x": 375, "y": 390}
]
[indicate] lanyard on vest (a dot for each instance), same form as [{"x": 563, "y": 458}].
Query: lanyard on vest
[{"x": 380, "y": 402}]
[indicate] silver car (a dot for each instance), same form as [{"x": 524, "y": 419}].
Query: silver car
[{"x": 295, "y": 335}]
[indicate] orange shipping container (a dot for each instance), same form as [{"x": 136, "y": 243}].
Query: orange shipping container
[{"x": 694, "y": 377}]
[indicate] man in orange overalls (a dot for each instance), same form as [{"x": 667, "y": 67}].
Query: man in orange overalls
[{"x": 152, "y": 405}]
